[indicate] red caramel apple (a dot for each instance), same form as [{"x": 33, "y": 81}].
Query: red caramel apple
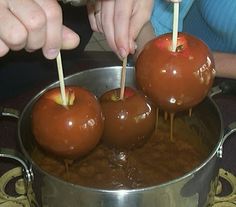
[
  {"x": 178, "y": 80},
  {"x": 68, "y": 131},
  {"x": 128, "y": 122}
]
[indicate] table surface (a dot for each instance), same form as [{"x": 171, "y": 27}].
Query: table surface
[{"x": 88, "y": 60}]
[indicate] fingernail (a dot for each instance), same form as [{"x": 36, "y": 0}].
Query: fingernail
[
  {"x": 52, "y": 53},
  {"x": 122, "y": 52},
  {"x": 133, "y": 47},
  {"x": 29, "y": 50}
]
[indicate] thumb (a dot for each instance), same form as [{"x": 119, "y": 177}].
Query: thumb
[{"x": 70, "y": 39}]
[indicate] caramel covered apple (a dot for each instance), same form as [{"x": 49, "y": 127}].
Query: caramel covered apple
[
  {"x": 128, "y": 122},
  {"x": 175, "y": 80},
  {"x": 69, "y": 131}
]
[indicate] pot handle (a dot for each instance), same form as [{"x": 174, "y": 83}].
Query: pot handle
[
  {"x": 27, "y": 197},
  {"x": 23, "y": 186},
  {"x": 229, "y": 130},
  {"x": 228, "y": 87},
  {"x": 4, "y": 111},
  {"x": 12, "y": 154},
  {"x": 225, "y": 87},
  {"x": 230, "y": 199}
]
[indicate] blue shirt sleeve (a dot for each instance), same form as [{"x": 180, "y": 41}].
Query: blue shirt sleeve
[{"x": 162, "y": 15}]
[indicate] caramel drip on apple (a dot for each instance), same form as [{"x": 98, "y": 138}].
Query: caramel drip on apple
[
  {"x": 157, "y": 118},
  {"x": 67, "y": 163},
  {"x": 172, "y": 126},
  {"x": 165, "y": 115},
  {"x": 190, "y": 112},
  {"x": 172, "y": 115}
]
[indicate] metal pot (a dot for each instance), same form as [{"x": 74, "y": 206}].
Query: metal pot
[{"x": 196, "y": 188}]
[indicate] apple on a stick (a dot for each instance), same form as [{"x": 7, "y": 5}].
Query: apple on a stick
[
  {"x": 175, "y": 80},
  {"x": 69, "y": 131},
  {"x": 128, "y": 121}
]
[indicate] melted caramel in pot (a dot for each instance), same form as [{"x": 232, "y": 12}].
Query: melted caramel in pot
[{"x": 158, "y": 161}]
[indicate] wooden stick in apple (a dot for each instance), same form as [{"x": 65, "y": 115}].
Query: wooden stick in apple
[
  {"x": 175, "y": 26},
  {"x": 123, "y": 77},
  {"x": 61, "y": 79}
]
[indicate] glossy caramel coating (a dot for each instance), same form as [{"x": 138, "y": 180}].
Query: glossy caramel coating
[
  {"x": 179, "y": 80},
  {"x": 68, "y": 131},
  {"x": 128, "y": 122}
]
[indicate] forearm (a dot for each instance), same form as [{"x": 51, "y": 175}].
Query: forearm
[{"x": 225, "y": 65}]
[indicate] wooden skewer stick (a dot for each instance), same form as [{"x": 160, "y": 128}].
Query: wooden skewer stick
[
  {"x": 61, "y": 79},
  {"x": 175, "y": 26},
  {"x": 123, "y": 77}
]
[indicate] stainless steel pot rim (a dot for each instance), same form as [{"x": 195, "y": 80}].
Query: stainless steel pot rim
[{"x": 189, "y": 174}]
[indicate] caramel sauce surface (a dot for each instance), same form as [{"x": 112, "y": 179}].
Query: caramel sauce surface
[{"x": 158, "y": 161}]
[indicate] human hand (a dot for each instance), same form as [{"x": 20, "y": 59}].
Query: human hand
[
  {"x": 34, "y": 24},
  {"x": 120, "y": 21}
]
